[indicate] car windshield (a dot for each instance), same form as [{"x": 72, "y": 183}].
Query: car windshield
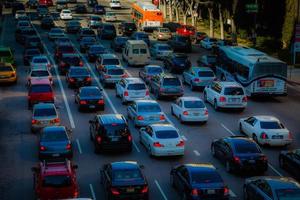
[
  {"x": 67, "y": 49},
  {"x": 270, "y": 125},
  {"x": 194, "y": 104},
  {"x": 5, "y": 53},
  {"x": 233, "y": 91},
  {"x": 206, "y": 74},
  {"x": 41, "y": 88},
  {"x": 5, "y": 69},
  {"x": 121, "y": 39},
  {"x": 164, "y": 48},
  {"x": 126, "y": 175},
  {"x": 40, "y": 60},
  {"x": 155, "y": 70},
  {"x": 136, "y": 86},
  {"x": 246, "y": 147},
  {"x": 149, "y": 108},
  {"x": 171, "y": 82},
  {"x": 79, "y": 71},
  {"x": 90, "y": 92},
  {"x": 38, "y": 73},
  {"x": 205, "y": 177},
  {"x": 111, "y": 61},
  {"x": 115, "y": 71},
  {"x": 166, "y": 134},
  {"x": 43, "y": 112},
  {"x": 116, "y": 130},
  {"x": 288, "y": 194},
  {"x": 56, "y": 181},
  {"x": 143, "y": 51}
]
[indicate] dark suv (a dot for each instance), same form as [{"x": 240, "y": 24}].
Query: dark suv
[
  {"x": 166, "y": 86},
  {"x": 177, "y": 62},
  {"x": 110, "y": 132},
  {"x": 127, "y": 28},
  {"x": 181, "y": 44}
]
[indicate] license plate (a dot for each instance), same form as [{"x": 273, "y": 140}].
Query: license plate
[
  {"x": 234, "y": 99},
  {"x": 91, "y": 106},
  {"x": 211, "y": 191},
  {"x": 55, "y": 155},
  {"x": 266, "y": 83},
  {"x": 252, "y": 161},
  {"x": 114, "y": 139},
  {"x": 130, "y": 189},
  {"x": 196, "y": 114}
]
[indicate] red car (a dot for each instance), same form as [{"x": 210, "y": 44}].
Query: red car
[
  {"x": 186, "y": 30},
  {"x": 55, "y": 180},
  {"x": 40, "y": 90},
  {"x": 46, "y": 2}
]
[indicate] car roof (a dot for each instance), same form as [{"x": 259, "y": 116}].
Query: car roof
[
  {"x": 89, "y": 87},
  {"x": 238, "y": 139},
  {"x": 124, "y": 165},
  {"x": 113, "y": 67},
  {"x": 111, "y": 118},
  {"x": 265, "y": 118},
  {"x": 133, "y": 80},
  {"x": 277, "y": 182},
  {"x": 161, "y": 127},
  {"x": 43, "y": 105},
  {"x": 145, "y": 102},
  {"x": 50, "y": 168},
  {"x": 109, "y": 55},
  {"x": 190, "y": 98}
]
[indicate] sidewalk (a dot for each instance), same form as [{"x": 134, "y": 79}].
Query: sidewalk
[{"x": 293, "y": 75}]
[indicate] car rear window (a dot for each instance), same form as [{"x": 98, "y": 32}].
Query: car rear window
[
  {"x": 40, "y": 88},
  {"x": 5, "y": 53},
  {"x": 246, "y": 147},
  {"x": 171, "y": 82},
  {"x": 205, "y": 177},
  {"x": 56, "y": 181},
  {"x": 194, "y": 104},
  {"x": 79, "y": 71},
  {"x": 116, "y": 129},
  {"x": 5, "y": 69},
  {"x": 206, "y": 74},
  {"x": 111, "y": 61},
  {"x": 115, "y": 71},
  {"x": 90, "y": 92},
  {"x": 149, "y": 108},
  {"x": 39, "y": 73},
  {"x": 233, "y": 91},
  {"x": 40, "y": 60},
  {"x": 288, "y": 194},
  {"x": 155, "y": 70},
  {"x": 57, "y": 135},
  {"x": 270, "y": 125},
  {"x": 166, "y": 134},
  {"x": 43, "y": 112},
  {"x": 136, "y": 86},
  {"x": 126, "y": 175}
]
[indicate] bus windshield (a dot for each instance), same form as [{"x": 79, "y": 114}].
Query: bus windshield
[{"x": 261, "y": 69}]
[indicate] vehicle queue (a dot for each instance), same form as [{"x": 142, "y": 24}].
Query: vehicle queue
[{"x": 225, "y": 85}]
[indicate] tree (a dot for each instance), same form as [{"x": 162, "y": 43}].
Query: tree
[{"x": 289, "y": 22}]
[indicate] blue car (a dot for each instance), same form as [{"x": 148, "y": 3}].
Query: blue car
[
  {"x": 94, "y": 52},
  {"x": 99, "y": 9},
  {"x": 141, "y": 36}
]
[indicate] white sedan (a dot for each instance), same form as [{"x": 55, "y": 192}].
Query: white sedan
[
  {"x": 66, "y": 14},
  {"x": 40, "y": 62},
  {"x": 265, "y": 130},
  {"x": 162, "y": 140},
  {"x": 190, "y": 109}
]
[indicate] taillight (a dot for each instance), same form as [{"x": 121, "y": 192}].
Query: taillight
[
  {"x": 82, "y": 102},
  {"x": 56, "y": 120},
  {"x": 68, "y": 147},
  {"x": 147, "y": 93},
  {"x": 48, "y": 65},
  {"x": 140, "y": 118},
  {"x": 263, "y": 158},
  {"x": 185, "y": 113},
  {"x": 245, "y": 99},
  {"x": 162, "y": 117},
  {"x": 264, "y": 136},
  {"x": 99, "y": 139},
  {"x": 13, "y": 74},
  {"x": 81, "y": 63},
  {"x": 101, "y": 101},
  {"x": 34, "y": 121},
  {"x": 157, "y": 144},
  {"x": 76, "y": 194},
  {"x": 114, "y": 191},
  {"x": 124, "y": 75},
  {"x": 194, "y": 192},
  {"x": 196, "y": 79},
  {"x": 71, "y": 79},
  {"x": 126, "y": 94},
  {"x": 145, "y": 189},
  {"x": 129, "y": 138},
  {"x": 180, "y": 144},
  {"x": 226, "y": 191},
  {"x": 50, "y": 78},
  {"x": 42, "y": 148},
  {"x": 89, "y": 79},
  {"x": 206, "y": 112},
  {"x": 107, "y": 76},
  {"x": 236, "y": 159},
  {"x": 222, "y": 99},
  {"x": 63, "y": 64},
  {"x": 290, "y": 136}
]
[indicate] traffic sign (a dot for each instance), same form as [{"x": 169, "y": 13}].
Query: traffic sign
[{"x": 251, "y": 8}]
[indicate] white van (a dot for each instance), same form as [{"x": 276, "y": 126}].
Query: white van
[{"x": 136, "y": 52}]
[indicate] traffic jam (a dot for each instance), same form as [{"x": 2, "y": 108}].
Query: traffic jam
[{"x": 120, "y": 104}]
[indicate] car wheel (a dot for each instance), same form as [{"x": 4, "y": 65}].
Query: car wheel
[
  {"x": 213, "y": 151},
  {"x": 117, "y": 94},
  {"x": 254, "y": 137},
  {"x": 216, "y": 107},
  {"x": 123, "y": 101},
  {"x": 228, "y": 167},
  {"x": 192, "y": 86},
  {"x": 241, "y": 128},
  {"x": 172, "y": 181},
  {"x": 157, "y": 96},
  {"x": 97, "y": 148},
  {"x": 281, "y": 162}
]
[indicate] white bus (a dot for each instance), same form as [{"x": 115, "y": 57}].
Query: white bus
[{"x": 260, "y": 74}]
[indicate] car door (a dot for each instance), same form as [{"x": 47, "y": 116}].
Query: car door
[
  {"x": 119, "y": 87},
  {"x": 147, "y": 136},
  {"x": 183, "y": 180},
  {"x": 155, "y": 84},
  {"x": 93, "y": 125},
  {"x": 132, "y": 110},
  {"x": 178, "y": 107},
  {"x": 209, "y": 93},
  {"x": 107, "y": 178},
  {"x": 252, "y": 191},
  {"x": 293, "y": 163},
  {"x": 248, "y": 126}
]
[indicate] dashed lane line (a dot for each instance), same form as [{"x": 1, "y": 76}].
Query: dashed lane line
[
  {"x": 160, "y": 190},
  {"x": 196, "y": 153},
  {"x": 79, "y": 146},
  {"x": 227, "y": 129},
  {"x": 92, "y": 191}
]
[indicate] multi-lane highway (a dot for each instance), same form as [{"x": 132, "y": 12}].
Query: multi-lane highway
[{"x": 18, "y": 146}]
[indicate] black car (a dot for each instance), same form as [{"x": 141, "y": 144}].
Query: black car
[
  {"x": 63, "y": 48},
  {"x": 177, "y": 62},
  {"x": 92, "y": 3},
  {"x": 94, "y": 51},
  {"x": 80, "y": 9},
  {"x": 78, "y": 76},
  {"x": 199, "y": 181},
  {"x": 99, "y": 9},
  {"x": 73, "y": 26},
  {"x": 55, "y": 142},
  {"x": 90, "y": 98},
  {"x": 180, "y": 43},
  {"x": 172, "y": 26},
  {"x": 67, "y": 60},
  {"x": 85, "y": 32},
  {"x": 239, "y": 154},
  {"x": 85, "y": 43},
  {"x": 28, "y": 54},
  {"x": 106, "y": 31},
  {"x": 33, "y": 42},
  {"x": 271, "y": 188},
  {"x": 47, "y": 23},
  {"x": 21, "y": 34},
  {"x": 127, "y": 28},
  {"x": 118, "y": 43},
  {"x": 110, "y": 132},
  {"x": 124, "y": 180},
  {"x": 290, "y": 161}
]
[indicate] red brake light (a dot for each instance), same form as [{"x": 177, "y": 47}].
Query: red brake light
[
  {"x": 107, "y": 76},
  {"x": 222, "y": 99},
  {"x": 129, "y": 138},
  {"x": 126, "y": 94},
  {"x": 264, "y": 136},
  {"x": 71, "y": 79},
  {"x": 48, "y": 65},
  {"x": 34, "y": 121},
  {"x": 83, "y": 102},
  {"x": 68, "y": 147},
  {"x": 206, "y": 112},
  {"x": 88, "y": 79},
  {"x": 185, "y": 113},
  {"x": 13, "y": 74},
  {"x": 196, "y": 79},
  {"x": 157, "y": 144},
  {"x": 194, "y": 192},
  {"x": 114, "y": 191},
  {"x": 145, "y": 189},
  {"x": 76, "y": 193},
  {"x": 162, "y": 117},
  {"x": 124, "y": 75},
  {"x": 101, "y": 101},
  {"x": 236, "y": 159},
  {"x": 81, "y": 63},
  {"x": 226, "y": 191},
  {"x": 140, "y": 118},
  {"x": 56, "y": 120},
  {"x": 42, "y": 148},
  {"x": 99, "y": 139},
  {"x": 147, "y": 92},
  {"x": 263, "y": 158},
  {"x": 245, "y": 99},
  {"x": 180, "y": 144}
]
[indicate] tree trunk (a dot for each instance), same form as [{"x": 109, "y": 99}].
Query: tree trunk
[
  {"x": 211, "y": 22},
  {"x": 165, "y": 9},
  {"x": 184, "y": 18},
  {"x": 177, "y": 14},
  {"x": 233, "y": 27},
  {"x": 170, "y": 11},
  {"x": 221, "y": 22},
  {"x": 192, "y": 15}
]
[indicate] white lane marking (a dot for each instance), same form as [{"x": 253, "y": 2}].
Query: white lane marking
[
  {"x": 275, "y": 170},
  {"x": 92, "y": 192},
  {"x": 59, "y": 82},
  {"x": 231, "y": 193},
  {"x": 135, "y": 146},
  {"x": 197, "y": 153},
  {"x": 79, "y": 146},
  {"x": 161, "y": 191},
  {"x": 184, "y": 138},
  {"x": 227, "y": 129}
]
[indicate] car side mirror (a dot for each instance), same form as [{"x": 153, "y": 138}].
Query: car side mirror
[
  {"x": 142, "y": 129},
  {"x": 75, "y": 166}
]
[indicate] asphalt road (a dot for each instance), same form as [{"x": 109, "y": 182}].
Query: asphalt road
[{"x": 19, "y": 147}]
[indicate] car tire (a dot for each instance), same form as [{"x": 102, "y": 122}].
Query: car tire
[
  {"x": 216, "y": 107},
  {"x": 180, "y": 119},
  {"x": 91, "y": 137},
  {"x": 245, "y": 193},
  {"x": 228, "y": 167},
  {"x": 150, "y": 151}
]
